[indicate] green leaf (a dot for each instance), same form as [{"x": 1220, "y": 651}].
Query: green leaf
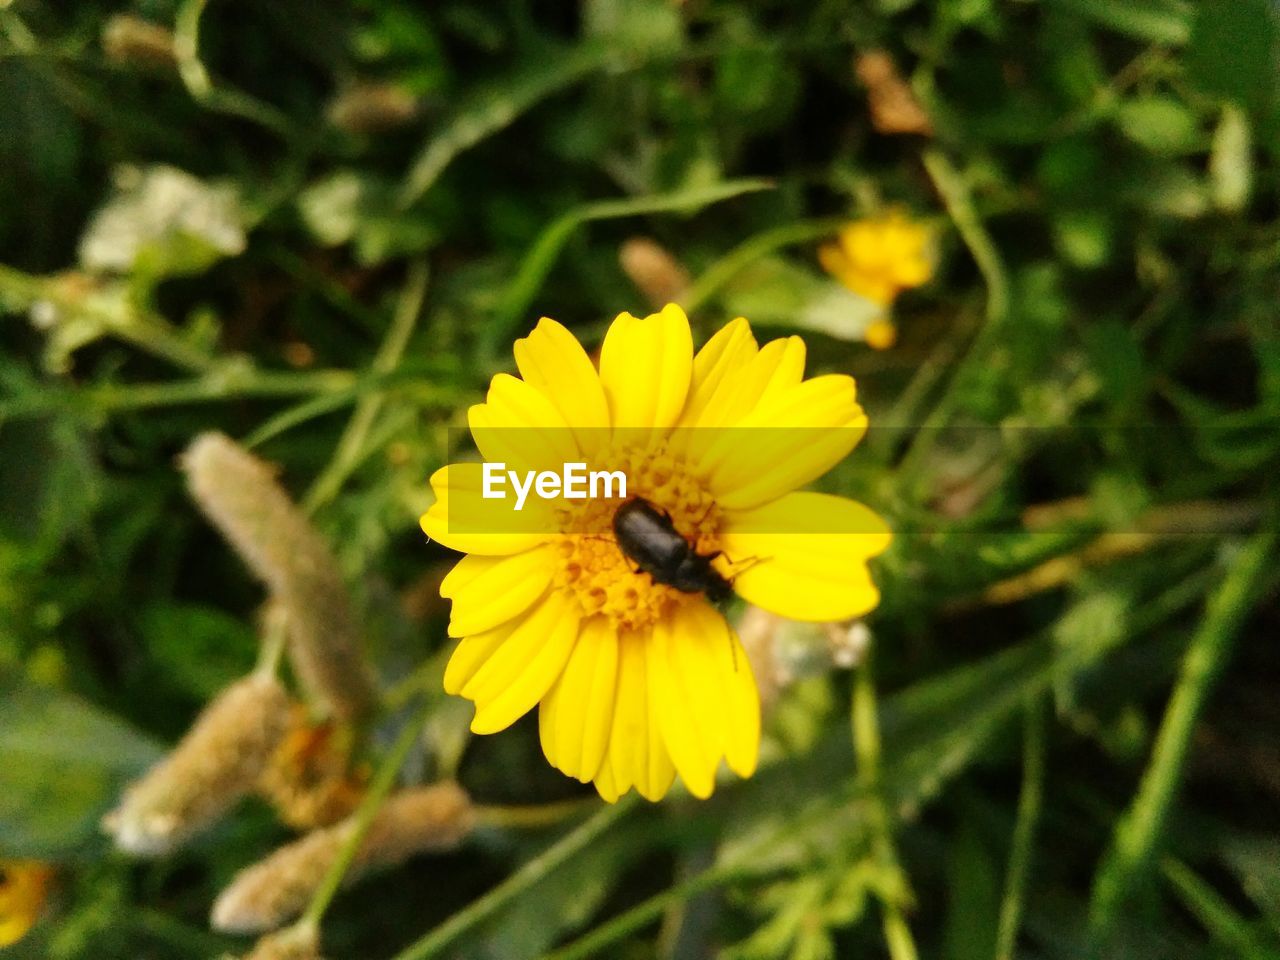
[
  {"x": 642, "y": 26},
  {"x": 48, "y": 481},
  {"x": 200, "y": 649},
  {"x": 1255, "y": 861},
  {"x": 1162, "y": 125},
  {"x": 65, "y": 763},
  {"x": 1084, "y": 236},
  {"x": 1118, "y": 361},
  {"x": 1157, "y": 21},
  {"x": 1231, "y": 161},
  {"x": 1233, "y": 51},
  {"x": 973, "y": 908}
]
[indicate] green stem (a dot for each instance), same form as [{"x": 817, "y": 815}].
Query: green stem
[
  {"x": 897, "y": 934},
  {"x": 235, "y": 381},
  {"x": 1215, "y": 914},
  {"x": 347, "y": 454},
  {"x": 866, "y": 750},
  {"x": 527, "y": 876},
  {"x": 194, "y": 76},
  {"x": 138, "y": 328},
  {"x": 1024, "y": 830},
  {"x": 1133, "y": 844},
  {"x": 643, "y": 914},
  {"x": 530, "y": 817},
  {"x": 383, "y": 780},
  {"x": 492, "y": 109},
  {"x": 713, "y": 279},
  {"x": 113, "y": 398},
  {"x": 523, "y": 288},
  {"x": 955, "y": 195},
  {"x": 298, "y": 414}
]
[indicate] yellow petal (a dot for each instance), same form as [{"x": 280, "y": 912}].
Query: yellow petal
[
  {"x": 690, "y": 665},
  {"x": 646, "y": 366},
  {"x": 487, "y": 591},
  {"x": 24, "y": 886},
  {"x": 576, "y": 717},
  {"x": 796, "y": 434},
  {"x": 804, "y": 556},
  {"x": 519, "y": 426},
  {"x": 776, "y": 366},
  {"x": 471, "y": 654},
  {"x": 524, "y": 666},
  {"x": 463, "y": 520},
  {"x": 605, "y": 784},
  {"x": 552, "y": 359},
  {"x": 636, "y": 755},
  {"x": 834, "y": 260},
  {"x": 742, "y": 751},
  {"x": 728, "y": 351}
]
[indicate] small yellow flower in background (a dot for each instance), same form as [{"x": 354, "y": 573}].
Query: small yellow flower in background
[
  {"x": 636, "y": 680},
  {"x": 881, "y": 334},
  {"x": 24, "y": 886},
  {"x": 879, "y": 257}
]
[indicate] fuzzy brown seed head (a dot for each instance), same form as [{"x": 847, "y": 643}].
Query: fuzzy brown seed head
[
  {"x": 370, "y": 108},
  {"x": 275, "y": 890},
  {"x": 214, "y": 766},
  {"x": 655, "y": 272},
  {"x": 296, "y": 943},
  {"x": 894, "y": 107},
  {"x": 240, "y": 496},
  {"x": 418, "y": 820},
  {"x": 132, "y": 41}
]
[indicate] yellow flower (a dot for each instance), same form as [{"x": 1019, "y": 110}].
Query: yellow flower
[
  {"x": 881, "y": 334},
  {"x": 879, "y": 257},
  {"x": 24, "y": 885},
  {"x": 634, "y": 679}
]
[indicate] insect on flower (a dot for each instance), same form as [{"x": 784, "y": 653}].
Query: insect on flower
[
  {"x": 650, "y": 538},
  {"x": 602, "y": 613}
]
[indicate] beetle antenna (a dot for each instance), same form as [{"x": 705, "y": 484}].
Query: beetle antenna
[{"x": 747, "y": 562}]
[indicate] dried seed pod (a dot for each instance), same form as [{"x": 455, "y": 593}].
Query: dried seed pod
[
  {"x": 240, "y": 496},
  {"x": 132, "y": 41},
  {"x": 275, "y": 890},
  {"x": 370, "y": 108},
  {"x": 296, "y": 943},
  {"x": 214, "y": 766},
  {"x": 894, "y": 107},
  {"x": 655, "y": 272}
]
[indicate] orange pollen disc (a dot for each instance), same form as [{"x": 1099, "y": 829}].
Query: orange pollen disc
[{"x": 592, "y": 566}]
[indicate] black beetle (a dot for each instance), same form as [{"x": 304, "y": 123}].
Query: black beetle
[{"x": 649, "y": 539}]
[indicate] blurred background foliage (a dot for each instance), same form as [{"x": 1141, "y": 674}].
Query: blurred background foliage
[{"x": 318, "y": 227}]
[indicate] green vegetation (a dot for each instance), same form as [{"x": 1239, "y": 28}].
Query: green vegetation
[{"x": 318, "y": 227}]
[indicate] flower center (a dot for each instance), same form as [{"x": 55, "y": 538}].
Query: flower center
[{"x": 593, "y": 567}]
